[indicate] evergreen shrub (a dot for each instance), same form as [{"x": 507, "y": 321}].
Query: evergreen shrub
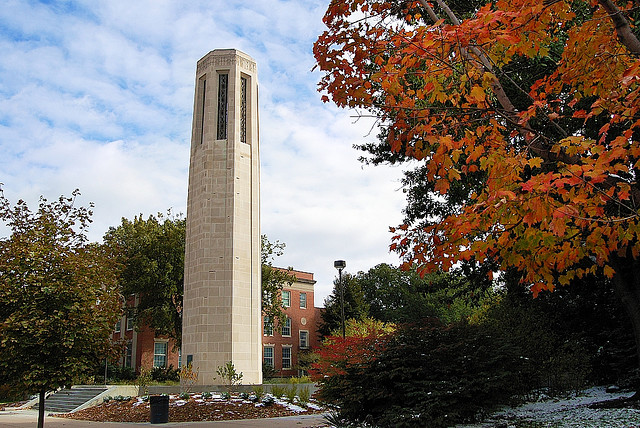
[
  {"x": 268, "y": 372},
  {"x": 426, "y": 374},
  {"x": 278, "y": 391},
  {"x": 291, "y": 392},
  {"x": 304, "y": 395},
  {"x": 258, "y": 392},
  {"x": 268, "y": 400},
  {"x": 163, "y": 374},
  {"x": 574, "y": 336},
  {"x": 115, "y": 373}
]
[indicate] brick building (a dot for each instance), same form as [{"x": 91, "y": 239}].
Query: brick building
[
  {"x": 281, "y": 346},
  {"x": 143, "y": 347}
]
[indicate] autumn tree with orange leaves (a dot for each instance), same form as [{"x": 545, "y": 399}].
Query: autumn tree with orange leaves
[{"x": 554, "y": 153}]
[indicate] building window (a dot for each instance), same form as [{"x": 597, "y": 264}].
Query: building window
[
  {"x": 304, "y": 339},
  {"x": 118, "y": 326},
  {"x": 179, "y": 357},
  {"x": 267, "y": 356},
  {"x": 128, "y": 352},
  {"x": 268, "y": 327},
  {"x": 286, "y": 328},
  {"x": 160, "y": 354},
  {"x": 286, "y": 299},
  {"x": 223, "y": 83},
  {"x": 243, "y": 109},
  {"x": 286, "y": 357},
  {"x": 202, "y": 91},
  {"x": 303, "y": 300},
  {"x": 129, "y": 323}
]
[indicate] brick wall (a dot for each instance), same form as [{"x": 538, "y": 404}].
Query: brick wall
[{"x": 302, "y": 318}]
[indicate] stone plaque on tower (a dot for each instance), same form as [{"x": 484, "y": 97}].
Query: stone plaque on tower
[{"x": 222, "y": 279}]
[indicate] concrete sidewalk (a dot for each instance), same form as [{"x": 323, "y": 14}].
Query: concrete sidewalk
[{"x": 29, "y": 418}]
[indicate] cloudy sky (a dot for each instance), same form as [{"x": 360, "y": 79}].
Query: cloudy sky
[{"x": 98, "y": 95}]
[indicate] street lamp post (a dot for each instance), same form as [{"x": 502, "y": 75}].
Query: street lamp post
[{"x": 341, "y": 264}]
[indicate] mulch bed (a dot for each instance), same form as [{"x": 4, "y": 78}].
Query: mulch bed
[{"x": 192, "y": 410}]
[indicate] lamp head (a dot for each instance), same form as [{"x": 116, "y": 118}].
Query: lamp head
[{"x": 339, "y": 264}]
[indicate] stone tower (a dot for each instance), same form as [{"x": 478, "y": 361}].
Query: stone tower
[{"x": 222, "y": 279}]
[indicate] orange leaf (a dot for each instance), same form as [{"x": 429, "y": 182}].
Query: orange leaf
[
  {"x": 609, "y": 272},
  {"x": 477, "y": 94}
]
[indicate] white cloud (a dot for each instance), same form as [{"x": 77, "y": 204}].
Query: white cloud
[{"x": 98, "y": 96}]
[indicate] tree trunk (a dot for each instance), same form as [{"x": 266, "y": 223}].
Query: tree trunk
[
  {"x": 623, "y": 29},
  {"x": 627, "y": 286},
  {"x": 41, "y": 409}
]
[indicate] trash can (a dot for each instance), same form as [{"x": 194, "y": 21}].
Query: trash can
[{"x": 159, "y": 407}]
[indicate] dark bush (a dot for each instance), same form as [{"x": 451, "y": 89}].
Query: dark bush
[
  {"x": 121, "y": 373},
  {"x": 427, "y": 375},
  {"x": 162, "y": 374},
  {"x": 560, "y": 363},
  {"x": 9, "y": 394},
  {"x": 114, "y": 373},
  {"x": 268, "y": 372},
  {"x": 579, "y": 333}
]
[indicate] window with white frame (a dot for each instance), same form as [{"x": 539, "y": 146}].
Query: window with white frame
[
  {"x": 118, "y": 326},
  {"x": 267, "y": 326},
  {"x": 129, "y": 323},
  {"x": 286, "y": 299},
  {"x": 160, "y": 354},
  {"x": 267, "y": 356},
  {"x": 286, "y": 328},
  {"x": 286, "y": 357},
  {"x": 304, "y": 339},
  {"x": 303, "y": 300},
  {"x": 128, "y": 353}
]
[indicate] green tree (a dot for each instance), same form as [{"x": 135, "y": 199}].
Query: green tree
[
  {"x": 59, "y": 296},
  {"x": 151, "y": 252},
  {"x": 355, "y": 305},
  {"x": 273, "y": 280},
  {"x": 397, "y": 295}
]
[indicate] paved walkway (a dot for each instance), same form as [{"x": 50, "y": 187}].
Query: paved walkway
[{"x": 29, "y": 418}]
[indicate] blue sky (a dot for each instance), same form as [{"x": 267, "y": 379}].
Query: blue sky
[{"x": 98, "y": 95}]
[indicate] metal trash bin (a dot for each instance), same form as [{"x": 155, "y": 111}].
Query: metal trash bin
[{"x": 159, "y": 409}]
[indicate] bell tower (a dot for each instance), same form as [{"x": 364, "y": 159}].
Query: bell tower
[{"x": 222, "y": 279}]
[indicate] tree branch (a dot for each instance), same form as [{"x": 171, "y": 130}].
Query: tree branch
[
  {"x": 625, "y": 35},
  {"x": 485, "y": 64},
  {"x": 536, "y": 145},
  {"x": 430, "y": 11}
]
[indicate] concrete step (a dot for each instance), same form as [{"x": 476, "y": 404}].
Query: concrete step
[{"x": 66, "y": 400}]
